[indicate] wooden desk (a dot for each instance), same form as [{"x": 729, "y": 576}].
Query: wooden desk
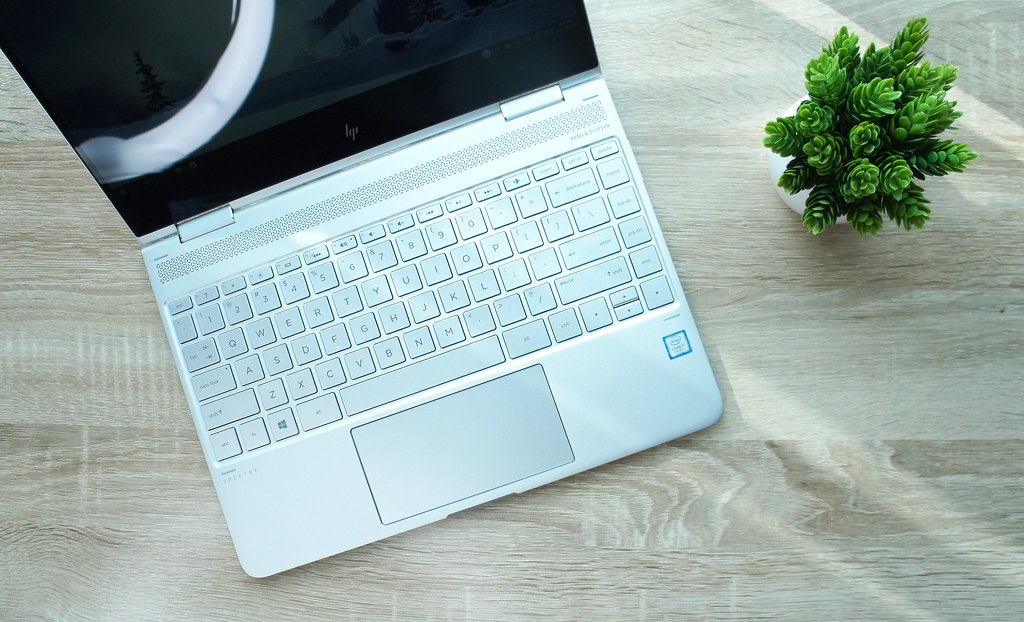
[{"x": 869, "y": 463}]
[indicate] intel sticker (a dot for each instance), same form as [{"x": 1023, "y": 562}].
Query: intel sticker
[{"x": 677, "y": 344}]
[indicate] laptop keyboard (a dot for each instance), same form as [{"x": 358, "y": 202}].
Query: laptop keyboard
[{"x": 494, "y": 273}]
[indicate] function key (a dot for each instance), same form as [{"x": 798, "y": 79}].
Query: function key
[
  {"x": 234, "y": 285},
  {"x": 604, "y": 150},
  {"x": 372, "y": 234},
  {"x": 204, "y": 296},
  {"x": 429, "y": 213},
  {"x": 344, "y": 244},
  {"x": 487, "y": 192},
  {"x": 288, "y": 265},
  {"x": 317, "y": 254},
  {"x": 576, "y": 160},
  {"x": 401, "y": 223},
  {"x": 179, "y": 305},
  {"x": 543, "y": 172},
  {"x": 462, "y": 201},
  {"x": 260, "y": 274},
  {"x": 516, "y": 182}
]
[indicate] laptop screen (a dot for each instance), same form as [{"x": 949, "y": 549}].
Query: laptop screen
[{"x": 179, "y": 107}]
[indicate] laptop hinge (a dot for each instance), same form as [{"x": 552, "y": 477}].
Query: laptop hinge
[
  {"x": 532, "y": 102},
  {"x": 205, "y": 223}
]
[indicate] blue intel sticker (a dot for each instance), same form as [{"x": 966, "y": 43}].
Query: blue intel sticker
[{"x": 677, "y": 344}]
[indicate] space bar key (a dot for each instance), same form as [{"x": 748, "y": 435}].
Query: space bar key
[{"x": 421, "y": 376}]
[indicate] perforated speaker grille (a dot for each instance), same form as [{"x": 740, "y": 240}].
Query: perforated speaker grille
[{"x": 381, "y": 190}]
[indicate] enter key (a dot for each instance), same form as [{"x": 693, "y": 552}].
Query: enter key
[{"x": 591, "y": 247}]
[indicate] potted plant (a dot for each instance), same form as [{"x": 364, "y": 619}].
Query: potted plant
[{"x": 868, "y": 129}]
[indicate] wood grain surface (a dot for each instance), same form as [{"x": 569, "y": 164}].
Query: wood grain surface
[{"x": 869, "y": 464}]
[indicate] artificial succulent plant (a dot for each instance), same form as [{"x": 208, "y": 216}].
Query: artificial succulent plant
[{"x": 868, "y": 130}]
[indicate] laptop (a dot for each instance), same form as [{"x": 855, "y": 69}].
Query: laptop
[{"x": 402, "y": 250}]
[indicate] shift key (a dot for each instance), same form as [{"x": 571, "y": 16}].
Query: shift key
[
  {"x": 231, "y": 408},
  {"x": 593, "y": 280}
]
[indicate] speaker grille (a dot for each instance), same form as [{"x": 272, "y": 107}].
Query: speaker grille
[{"x": 381, "y": 190}]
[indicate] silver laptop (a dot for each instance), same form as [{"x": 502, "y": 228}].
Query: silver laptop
[{"x": 402, "y": 251}]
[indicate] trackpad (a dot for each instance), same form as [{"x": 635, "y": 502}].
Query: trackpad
[{"x": 462, "y": 445}]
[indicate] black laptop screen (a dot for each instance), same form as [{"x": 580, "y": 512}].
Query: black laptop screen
[{"x": 180, "y": 106}]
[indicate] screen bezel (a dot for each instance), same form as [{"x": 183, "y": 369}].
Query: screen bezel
[{"x": 309, "y": 142}]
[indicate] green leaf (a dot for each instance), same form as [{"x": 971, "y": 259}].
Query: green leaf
[
  {"x": 813, "y": 118},
  {"x": 858, "y": 180},
  {"x": 940, "y": 158},
  {"x": 895, "y": 177},
  {"x": 906, "y": 47},
  {"x": 798, "y": 176},
  {"x": 822, "y": 209},
  {"x": 865, "y": 139},
  {"x": 873, "y": 100},
  {"x": 912, "y": 210},
  {"x": 925, "y": 79},
  {"x": 875, "y": 63},
  {"x": 826, "y": 79},
  {"x": 826, "y": 153},
  {"x": 921, "y": 118},
  {"x": 783, "y": 137},
  {"x": 844, "y": 47},
  {"x": 865, "y": 217}
]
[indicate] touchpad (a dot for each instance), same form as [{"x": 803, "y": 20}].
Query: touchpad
[{"x": 463, "y": 444}]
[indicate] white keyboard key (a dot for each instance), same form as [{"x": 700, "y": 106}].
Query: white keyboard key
[
  {"x": 632, "y": 309},
  {"x": 557, "y": 226},
  {"x": 565, "y": 325},
  {"x": 209, "y": 294},
  {"x": 592, "y": 280},
  {"x": 364, "y": 329},
  {"x": 232, "y": 343},
  {"x": 487, "y": 193},
  {"x": 254, "y": 434},
  {"x": 510, "y": 310},
  {"x": 496, "y": 248},
  {"x": 209, "y": 319},
  {"x": 288, "y": 265},
  {"x": 277, "y": 359},
  {"x": 411, "y": 245},
  {"x": 407, "y": 280},
  {"x": 300, "y": 384},
  {"x": 372, "y": 234},
  {"x": 514, "y": 275},
  {"x": 272, "y": 394},
  {"x": 229, "y": 409},
  {"x": 635, "y": 232},
  {"x": 315, "y": 255},
  {"x": 231, "y": 286},
  {"x": 460, "y": 202},
  {"x": 589, "y": 248},
  {"x": 382, "y": 256},
  {"x": 389, "y": 353},
  {"x": 441, "y": 235},
  {"x": 394, "y": 318},
  {"x": 484, "y": 286},
  {"x": 419, "y": 342},
  {"x": 377, "y": 291},
  {"x": 624, "y": 296},
  {"x": 265, "y": 298},
  {"x": 516, "y": 182},
  {"x": 344, "y": 244},
  {"x": 604, "y": 150},
  {"x": 359, "y": 363},
  {"x": 613, "y": 173},
  {"x": 540, "y": 299},
  {"x": 449, "y": 331},
  {"x": 212, "y": 383},
  {"x": 294, "y": 288},
  {"x": 289, "y": 323},
  {"x": 249, "y": 370},
  {"x": 501, "y": 213},
  {"x": 306, "y": 349},
  {"x": 531, "y": 202},
  {"x": 184, "y": 329},
  {"x": 352, "y": 267},
  {"x": 526, "y": 339},
  {"x": 323, "y": 278},
  {"x": 565, "y": 190},
  {"x": 237, "y": 309},
  {"x": 401, "y": 223},
  {"x": 547, "y": 170},
  {"x": 282, "y": 424},
  {"x": 430, "y": 213},
  {"x": 225, "y": 444},
  {"x": 527, "y": 237},
  {"x": 545, "y": 264},
  {"x": 335, "y": 339},
  {"x": 318, "y": 312},
  {"x": 347, "y": 302},
  {"x": 259, "y": 275},
  {"x": 318, "y": 412},
  {"x": 330, "y": 374},
  {"x": 575, "y": 160},
  {"x": 471, "y": 224},
  {"x": 645, "y": 262},
  {"x": 260, "y": 333},
  {"x": 479, "y": 321},
  {"x": 657, "y": 293},
  {"x": 624, "y": 202},
  {"x": 466, "y": 259},
  {"x": 424, "y": 307},
  {"x": 454, "y": 296},
  {"x": 590, "y": 214},
  {"x": 181, "y": 304},
  {"x": 595, "y": 314},
  {"x": 436, "y": 269}
]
